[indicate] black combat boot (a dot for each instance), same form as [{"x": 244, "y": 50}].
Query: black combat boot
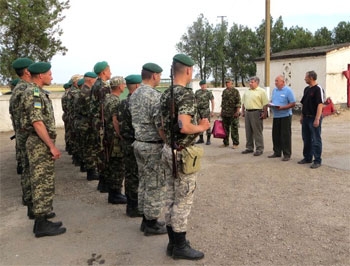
[
  {"x": 43, "y": 227},
  {"x": 183, "y": 250},
  {"x": 153, "y": 227},
  {"x": 56, "y": 224},
  {"x": 91, "y": 174},
  {"x": 132, "y": 208},
  {"x": 82, "y": 168},
  {"x": 102, "y": 185},
  {"x": 170, "y": 247},
  {"x": 208, "y": 140},
  {"x": 116, "y": 197},
  {"x": 201, "y": 140}
]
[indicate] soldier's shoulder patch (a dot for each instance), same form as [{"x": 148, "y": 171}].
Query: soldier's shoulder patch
[
  {"x": 37, "y": 105},
  {"x": 36, "y": 92}
]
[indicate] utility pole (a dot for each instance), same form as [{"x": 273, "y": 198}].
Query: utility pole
[
  {"x": 267, "y": 47},
  {"x": 222, "y": 63}
]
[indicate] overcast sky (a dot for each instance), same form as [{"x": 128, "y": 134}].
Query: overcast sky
[{"x": 130, "y": 33}]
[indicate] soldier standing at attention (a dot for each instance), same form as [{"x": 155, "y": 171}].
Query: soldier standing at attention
[
  {"x": 98, "y": 93},
  {"x": 83, "y": 113},
  {"x": 39, "y": 121},
  {"x": 127, "y": 135},
  {"x": 149, "y": 135},
  {"x": 21, "y": 65},
  {"x": 230, "y": 112},
  {"x": 114, "y": 173},
  {"x": 180, "y": 190},
  {"x": 203, "y": 97}
]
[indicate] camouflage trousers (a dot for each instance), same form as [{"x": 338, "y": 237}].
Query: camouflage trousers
[
  {"x": 204, "y": 113},
  {"x": 231, "y": 125},
  {"x": 88, "y": 148},
  {"x": 179, "y": 194},
  {"x": 131, "y": 171},
  {"x": 42, "y": 175},
  {"x": 151, "y": 192},
  {"x": 21, "y": 139}
]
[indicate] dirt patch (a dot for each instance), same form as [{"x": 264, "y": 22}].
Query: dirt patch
[{"x": 248, "y": 210}]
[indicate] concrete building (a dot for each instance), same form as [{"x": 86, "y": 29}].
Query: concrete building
[{"x": 331, "y": 63}]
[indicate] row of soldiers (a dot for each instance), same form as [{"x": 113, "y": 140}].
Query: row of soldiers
[{"x": 99, "y": 134}]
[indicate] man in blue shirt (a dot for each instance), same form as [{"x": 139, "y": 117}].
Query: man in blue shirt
[{"x": 282, "y": 102}]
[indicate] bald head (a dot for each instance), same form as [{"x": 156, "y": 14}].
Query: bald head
[{"x": 280, "y": 81}]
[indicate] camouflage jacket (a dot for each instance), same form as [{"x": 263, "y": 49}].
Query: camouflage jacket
[
  {"x": 145, "y": 113},
  {"x": 38, "y": 107},
  {"x": 97, "y": 96},
  {"x": 203, "y": 98},
  {"x": 15, "y": 107},
  {"x": 124, "y": 119},
  {"x": 231, "y": 99},
  {"x": 184, "y": 104},
  {"x": 111, "y": 104}
]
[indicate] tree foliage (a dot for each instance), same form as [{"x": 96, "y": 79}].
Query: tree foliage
[
  {"x": 221, "y": 51},
  {"x": 29, "y": 28}
]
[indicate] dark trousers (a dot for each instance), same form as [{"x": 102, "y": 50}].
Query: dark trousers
[
  {"x": 312, "y": 139},
  {"x": 282, "y": 136}
]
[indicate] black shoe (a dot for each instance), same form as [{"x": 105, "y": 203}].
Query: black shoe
[
  {"x": 44, "y": 227},
  {"x": 116, "y": 198},
  {"x": 247, "y": 151},
  {"x": 286, "y": 158},
  {"x": 133, "y": 212},
  {"x": 144, "y": 221},
  {"x": 102, "y": 187},
  {"x": 91, "y": 174},
  {"x": 183, "y": 250},
  {"x": 200, "y": 141},
  {"x": 258, "y": 153},
  {"x": 274, "y": 156},
  {"x": 315, "y": 165},
  {"x": 304, "y": 161},
  {"x": 152, "y": 227},
  {"x": 55, "y": 224}
]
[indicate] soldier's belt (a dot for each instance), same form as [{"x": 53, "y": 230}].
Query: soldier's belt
[{"x": 152, "y": 142}]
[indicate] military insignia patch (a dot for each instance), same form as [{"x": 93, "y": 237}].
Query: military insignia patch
[
  {"x": 37, "y": 105},
  {"x": 36, "y": 92}
]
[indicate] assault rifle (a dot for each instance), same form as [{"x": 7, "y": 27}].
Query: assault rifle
[{"x": 172, "y": 126}]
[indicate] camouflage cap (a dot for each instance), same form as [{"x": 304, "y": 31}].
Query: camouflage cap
[
  {"x": 116, "y": 81},
  {"x": 152, "y": 67},
  {"x": 23, "y": 62},
  {"x": 90, "y": 74},
  {"x": 183, "y": 59},
  {"x": 202, "y": 82},
  {"x": 228, "y": 80},
  {"x": 100, "y": 66},
  {"x": 133, "y": 79},
  {"x": 39, "y": 67}
]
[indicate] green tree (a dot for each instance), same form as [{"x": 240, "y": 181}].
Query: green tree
[
  {"x": 299, "y": 38},
  {"x": 29, "y": 28},
  {"x": 322, "y": 36},
  {"x": 197, "y": 44},
  {"x": 342, "y": 32}
]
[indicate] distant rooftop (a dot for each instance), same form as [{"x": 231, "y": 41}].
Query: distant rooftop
[{"x": 306, "y": 52}]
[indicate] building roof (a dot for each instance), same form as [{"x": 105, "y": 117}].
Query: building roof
[{"x": 306, "y": 52}]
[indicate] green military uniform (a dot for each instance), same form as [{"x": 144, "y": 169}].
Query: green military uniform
[{"x": 231, "y": 101}]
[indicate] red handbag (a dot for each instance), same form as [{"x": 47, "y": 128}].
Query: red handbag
[{"x": 218, "y": 130}]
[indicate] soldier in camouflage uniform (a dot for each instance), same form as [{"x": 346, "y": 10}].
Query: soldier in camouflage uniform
[
  {"x": 127, "y": 135},
  {"x": 84, "y": 127},
  {"x": 64, "y": 105},
  {"x": 180, "y": 190},
  {"x": 39, "y": 122},
  {"x": 114, "y": 171},
  {"x": 98, "y": 93},
  {"x": 146, "y": 121},
  {"x": 230, "y": 112},
  {"x": 15, "y": 108},
  {"x": 203, "y": 97}
]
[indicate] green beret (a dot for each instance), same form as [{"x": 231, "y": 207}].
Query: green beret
[
  {"x": 39, "y": 67},
  {"x": 183, "y": 59},
  {"x": 116, "y": 81},
  {"x": 133, "y": 79},
  {"x": 90, "y": 75},
  {"x": 100, "y": 66},
  {"x": 151, "y": 67},
  {"x": 20, "y": 63},
  {"x": 80, "y": 82},
  {"x": 14, "y": 82},
  {"x": 202, "y": 82},
  {"x": 66, "y": 85}
]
